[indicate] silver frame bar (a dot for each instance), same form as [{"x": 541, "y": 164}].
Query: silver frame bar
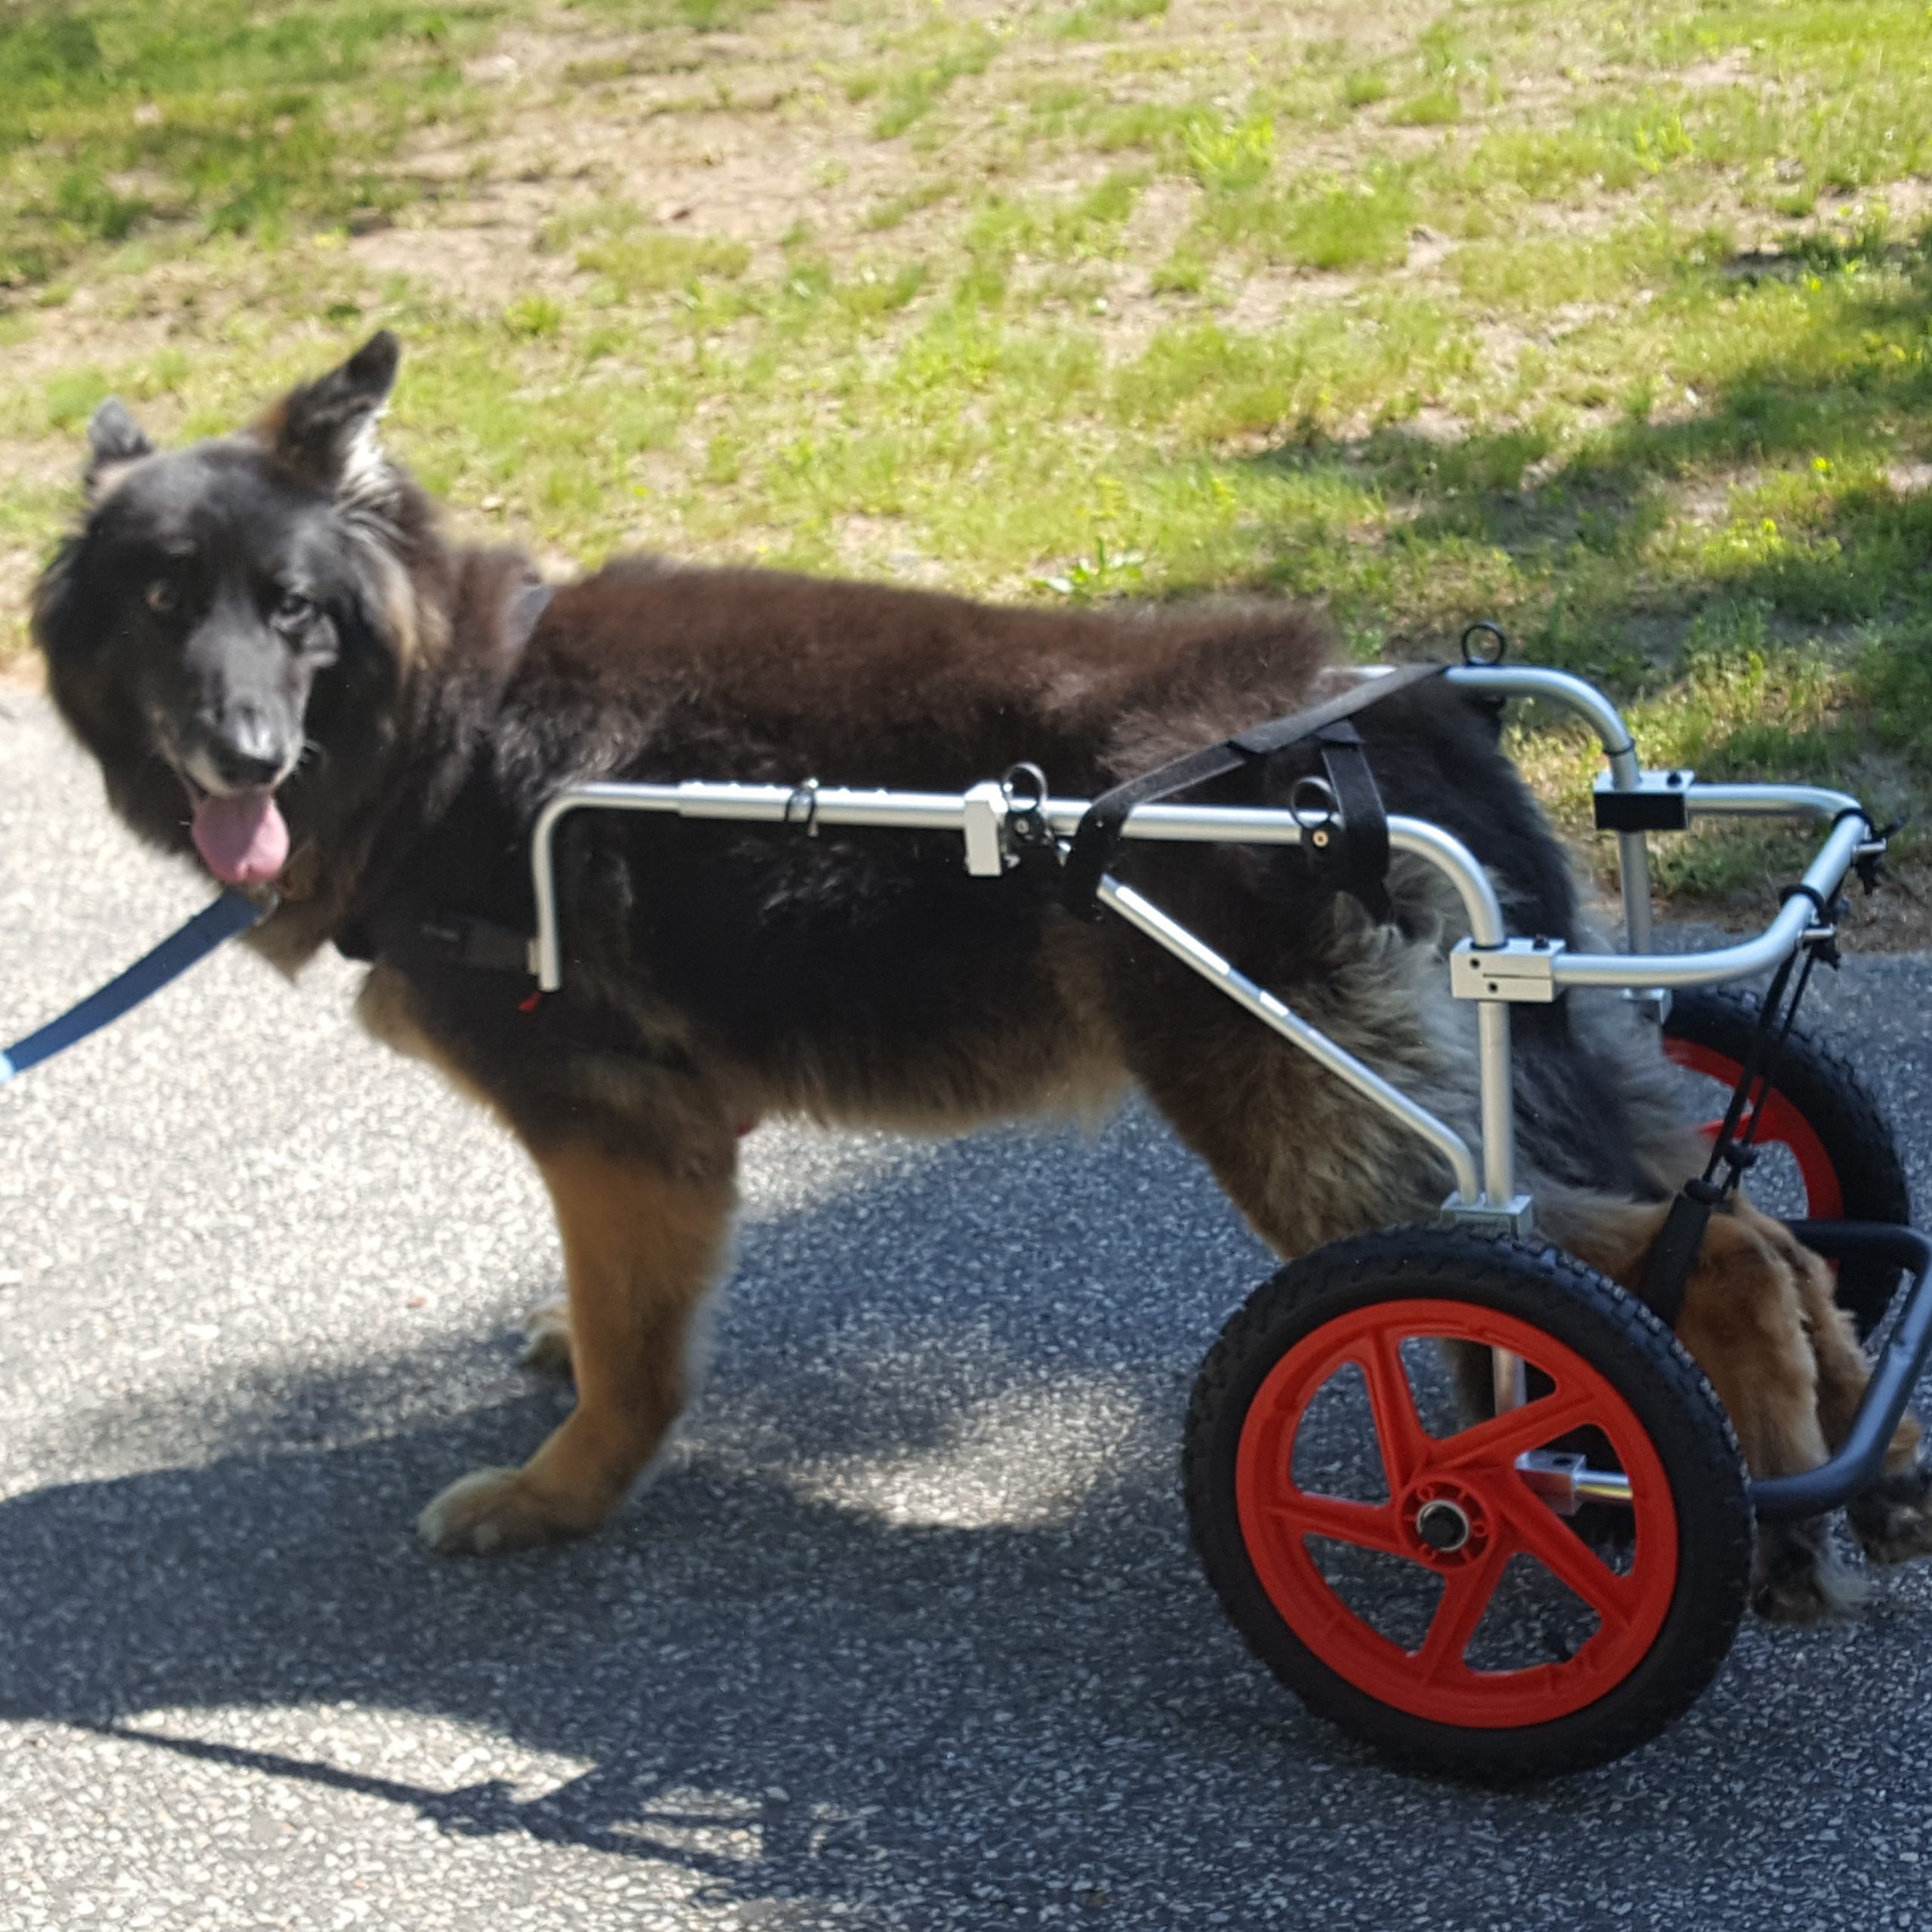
[
  {"x": 1489, "y": 1182},
  {"x": 1147, "y": 917},
  {"x": 1633, "y": 851}
]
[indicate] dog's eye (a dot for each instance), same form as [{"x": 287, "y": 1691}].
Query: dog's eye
[
  {"x": 294, "y": 610},
  {"x": 163, "y": 596}
]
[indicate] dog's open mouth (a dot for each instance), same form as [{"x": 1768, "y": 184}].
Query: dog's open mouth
[{"x": 241, "y": 836}]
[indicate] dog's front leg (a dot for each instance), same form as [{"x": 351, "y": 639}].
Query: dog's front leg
[{"x": 642, "y": 1249}]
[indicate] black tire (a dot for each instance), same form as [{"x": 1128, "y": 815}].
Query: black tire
[
  {"x": 1623, "y": 1343},
  {"x": 1828, "y": 1095}
]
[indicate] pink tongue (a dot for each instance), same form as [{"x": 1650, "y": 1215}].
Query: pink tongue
[{"x": 243, "y": 839}]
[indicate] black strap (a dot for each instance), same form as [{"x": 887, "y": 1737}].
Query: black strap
[
  {"x": 1098, "y": 835},
  {"x": 1674, "y": 1254},
  {"x": 1350, "y": 851}
]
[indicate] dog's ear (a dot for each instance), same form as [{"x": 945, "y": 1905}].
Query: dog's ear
[
  {"x": 325, "y": 431},
  {"x": 114, "y": 441}
]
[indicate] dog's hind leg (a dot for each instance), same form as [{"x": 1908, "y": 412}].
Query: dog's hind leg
[
  {"x": 1893, "y": 1519},
  {"x": 642, "y": 1249},
  {"x": 1744, "y": 1319}
]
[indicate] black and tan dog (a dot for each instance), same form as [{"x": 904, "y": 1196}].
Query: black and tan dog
[{"x": 283, "y": 667}]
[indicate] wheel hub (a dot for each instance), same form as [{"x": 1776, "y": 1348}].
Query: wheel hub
[
  {"x": 1442, "y": 1526},
  {"x": 1447, "y": 1523}
]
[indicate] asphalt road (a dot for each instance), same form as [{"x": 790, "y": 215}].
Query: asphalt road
[{"x": 908, "y": 1635}]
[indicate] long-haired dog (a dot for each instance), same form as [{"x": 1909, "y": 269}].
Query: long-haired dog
[{"x": 285, "y": 669}]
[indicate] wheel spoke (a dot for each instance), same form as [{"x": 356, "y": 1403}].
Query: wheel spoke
[
  {"x": 1466, "y": 1595},
  {"x": 1368, "y": 1525},
  {"x": 1503, "y": 1438},
  {"x": 1405, "y": 1443},
  {"x": 1540, "y": 1532}
]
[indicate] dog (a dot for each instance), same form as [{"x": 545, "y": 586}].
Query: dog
[{"x": 289, "y": 675}]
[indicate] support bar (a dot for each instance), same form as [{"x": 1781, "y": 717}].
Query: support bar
[
  {"x": 1861, "y": 1456},
  {"x": 1633, "y": 855},
  {"x": 1144, "y": 917},
  {"x": 1825, "y": 875}
]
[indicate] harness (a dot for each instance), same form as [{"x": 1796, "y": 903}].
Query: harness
[{"x": 1347, "y": 840}]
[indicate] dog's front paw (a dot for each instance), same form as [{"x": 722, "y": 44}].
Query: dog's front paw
[
  {"x": 546, "y": 1339},
  {"x": 1893, "y": 1519},
  {"x": 493, "y": 1510}
]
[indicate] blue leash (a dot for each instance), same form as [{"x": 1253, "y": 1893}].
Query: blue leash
[{"x": 232, "y": 913}]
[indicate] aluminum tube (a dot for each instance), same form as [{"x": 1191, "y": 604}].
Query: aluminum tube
[
  {"x": 1602, "y": 1486},
  {"x": 1767, "y": 801},
  {"x": 1253, "y": 824},
  {"x": 1508, "y": 1380},
  {"x": 1147, "y": 917},
  {"x": 1860, "y": 1458},
  {"x": 1633, "y": 851},
  {"x": 1499, "y": 1107},
  {"x": 1633, "y": 880},
  {"x": 1560, "y": 687},
  {"x": 1825, "y": 876}
]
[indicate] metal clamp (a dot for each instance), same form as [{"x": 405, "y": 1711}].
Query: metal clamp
[
  {"x": 1523, "y": 970},
  {"x": 982, "y": 820},
  {"x": 1566, "y": 1481},
  {"x": 1515, "y": 1217},
  {"x": 1659, "y": 801}
]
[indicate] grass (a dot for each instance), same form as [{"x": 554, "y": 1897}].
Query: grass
[{"x": 1613, "y": 323}]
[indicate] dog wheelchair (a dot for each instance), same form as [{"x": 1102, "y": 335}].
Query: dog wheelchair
[{"x": 1547, "y": 1588}]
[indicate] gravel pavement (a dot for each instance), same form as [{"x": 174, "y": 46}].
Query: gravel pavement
[{"x": 907, "y": 1634}]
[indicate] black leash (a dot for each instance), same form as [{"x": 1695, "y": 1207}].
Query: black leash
[{"x": 1347, "y": 836}]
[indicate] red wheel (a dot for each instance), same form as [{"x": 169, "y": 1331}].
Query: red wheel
[
  {"x": 1832, "y": 1154},
  {"x": 1399, "y": 1568},
  {"x": 1463, "y": 1492}
]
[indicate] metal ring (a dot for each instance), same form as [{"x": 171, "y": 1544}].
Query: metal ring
[
  {"x": 1310, "y": 817},
  {"x": 807, "y": 792},
  {"x": 1035, "y": 776},
  {"x": 1484, "y": 628}
]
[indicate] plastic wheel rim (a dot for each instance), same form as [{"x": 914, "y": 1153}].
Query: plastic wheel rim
[
  {"x": 1477, "y": 1465},
  {"x": 1824, "y": 1194}
]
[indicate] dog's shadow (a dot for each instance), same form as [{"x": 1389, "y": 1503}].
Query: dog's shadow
[
  {"x": 914, "y": 1597},
  {"x": 924, "y": 1521}
]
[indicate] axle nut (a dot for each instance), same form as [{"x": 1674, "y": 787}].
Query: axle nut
[{"x": 1442, "y": 1526}]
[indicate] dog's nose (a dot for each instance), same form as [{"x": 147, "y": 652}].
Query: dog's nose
[
  {"x": 247, "y": 751},
  {"x": 245, "y": 768}
]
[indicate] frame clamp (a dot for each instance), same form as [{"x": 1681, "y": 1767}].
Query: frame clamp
[
  {"x": 1522, "y": 970},
  {"x": 1659, "y": 801},
  {"x": 1515, "y": 1217}
]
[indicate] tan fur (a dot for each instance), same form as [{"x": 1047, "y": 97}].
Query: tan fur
[
  {"x": 1759, "y": 1317},
  {"x": 641, "y": 1250}
]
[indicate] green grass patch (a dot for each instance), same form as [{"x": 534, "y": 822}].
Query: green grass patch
[
  {"x": 1434, "y": 107},
  {"x": 1095, "y": 19},
  {"x": 122, "y": 116},
  {"x": 1655, "y": 392}
]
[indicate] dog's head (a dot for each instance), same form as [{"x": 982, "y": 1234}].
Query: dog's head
[{"x": 228, "y": 630}]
